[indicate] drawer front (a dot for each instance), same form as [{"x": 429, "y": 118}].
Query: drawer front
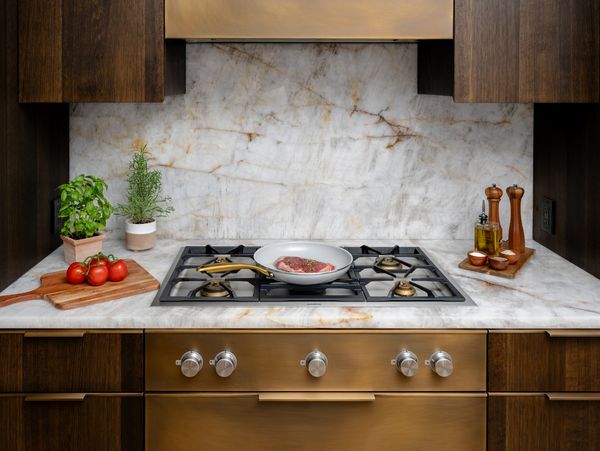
[
  {"x": 385, "y": 422},
  {"x": 73, "y": 361},
  {"x": 538, "y": 422},
  {"x": 358, "y": 361},
  {"x": 72, "y": 422},
  {"x": 544, "y": 361}
]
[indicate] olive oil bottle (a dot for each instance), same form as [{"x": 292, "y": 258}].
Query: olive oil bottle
[{"x": 487, "y": 236}]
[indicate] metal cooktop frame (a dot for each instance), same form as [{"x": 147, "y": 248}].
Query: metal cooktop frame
[{"x": 350, "y": 290}]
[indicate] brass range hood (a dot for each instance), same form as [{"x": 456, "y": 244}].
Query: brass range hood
[{"x": 308, "y": 20}]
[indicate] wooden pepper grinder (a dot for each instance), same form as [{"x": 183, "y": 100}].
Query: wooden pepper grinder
[
  {"x": 493, "y": 194},
  {"x": 516, "y": 234}
]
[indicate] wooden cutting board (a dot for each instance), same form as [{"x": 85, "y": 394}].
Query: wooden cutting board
[
  {"x": 55, "y": 288},
  {"x": 508, "y": 273}
]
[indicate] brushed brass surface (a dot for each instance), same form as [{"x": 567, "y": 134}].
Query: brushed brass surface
[
  {"x": 316, "y": 397},
  {"x": 358, "y": 360},
  {"x": 573, "y": 396},
  {"x": 224, "y": 267},
  {"x": 573, "y": 333},
  {"x": 308, "y": 20},
  {"x": 184, "y": 422}
]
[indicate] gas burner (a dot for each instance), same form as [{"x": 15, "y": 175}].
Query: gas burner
[
  {"x": 405, "y": 289},
  {"x": 389, "y": 263},
  {"x": 215, "y": 289}
]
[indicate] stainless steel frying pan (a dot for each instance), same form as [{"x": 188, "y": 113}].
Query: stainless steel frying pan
[{"x": 265, "y": 258}]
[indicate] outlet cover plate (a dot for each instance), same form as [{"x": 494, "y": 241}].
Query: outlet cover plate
[{"x": 548, "y": 215}]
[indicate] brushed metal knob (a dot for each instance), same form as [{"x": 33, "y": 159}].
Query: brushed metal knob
[
  {"x": 315, "y": 363},
  {"x": 190, "y": 363},
  {"x": 407, "y": 363},
  {"x": 225, "y": 363},
  {"x": 441, "y": 364}
]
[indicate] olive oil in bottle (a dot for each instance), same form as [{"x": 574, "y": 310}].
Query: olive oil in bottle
[{"x": 487, "y": 236}]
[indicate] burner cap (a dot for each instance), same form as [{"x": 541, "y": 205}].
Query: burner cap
[
  {"x": 222, "y": 259},
  {"x": 215, "y": 289},
  {"x": 405, "y": 289},
  {"x": 388, "y": 262}
]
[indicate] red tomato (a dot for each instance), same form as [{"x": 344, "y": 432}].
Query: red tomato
[
  {"x": 76, "y": 273},
  {"x": 97, "y": 275},
  {"x": 117, "y": 271}
]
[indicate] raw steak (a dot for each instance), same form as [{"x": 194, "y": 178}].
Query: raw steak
[{"x": 304, "y": 265}]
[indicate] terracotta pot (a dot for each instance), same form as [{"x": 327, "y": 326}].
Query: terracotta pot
[
  {"x": 140, "y": 237},
  {"x": 79, "y": 250}
]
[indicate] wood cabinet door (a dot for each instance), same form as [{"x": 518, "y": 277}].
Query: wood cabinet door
[
  {"x": 72, "y": 361},
  {"x": 543, "y": 51},
  {"x": 72, "y": 422},
  {"x": 543, "y": 361},
  {"x": 91, "y": 51},
  {"x": 539, "y": 422}
]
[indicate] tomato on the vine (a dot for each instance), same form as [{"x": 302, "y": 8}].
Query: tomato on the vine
[
  {"x": 117, "y": 270},
  {"x": 97, "y": 275},
  {"x": 76, "y": 273}
]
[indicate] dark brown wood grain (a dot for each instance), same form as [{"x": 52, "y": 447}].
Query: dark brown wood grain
[
  {"x": 96, "y": 51},
  {"x": 536, "y": 362},
  {"x": 96, "y": 362},
  {"x": 527, "y": 51},
  {"x": 99, "y": 422},
  {"x": 435, "y": 67},
  {"x": 566, "y": 165},
  {"x": 33, "y": 161},
  {"x": 533, "y": 423}
]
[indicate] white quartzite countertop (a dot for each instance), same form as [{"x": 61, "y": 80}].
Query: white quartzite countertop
[{"x": 549, "y": 292}]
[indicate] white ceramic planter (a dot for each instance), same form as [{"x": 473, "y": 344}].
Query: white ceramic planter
[{"x": 140, "y": 237}]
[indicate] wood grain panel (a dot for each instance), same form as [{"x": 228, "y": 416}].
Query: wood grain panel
[
  {"x": 94, "y": 362},
  {"x": 566, "y": 165},
  {"x": 533, "y": 423},
  {"x": 97, "y": 423},
  {"x": 40, "y": 51},
  {"x": 535, "y": 362},
  {"x": 33, "y": 161},
  {"x": 527, "y": 51}
]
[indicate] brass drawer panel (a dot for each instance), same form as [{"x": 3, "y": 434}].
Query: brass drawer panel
[{"x": 358, "y": 361}]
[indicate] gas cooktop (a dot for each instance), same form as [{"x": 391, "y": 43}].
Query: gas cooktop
[{"x": 385, "y": 276}]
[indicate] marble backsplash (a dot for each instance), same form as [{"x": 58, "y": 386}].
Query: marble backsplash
[{"x": 315, "y": 141}]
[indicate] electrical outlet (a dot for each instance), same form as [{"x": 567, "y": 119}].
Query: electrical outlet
[
  {"x": 548, "y": 215},
  {"x": 56, "y": 222}
]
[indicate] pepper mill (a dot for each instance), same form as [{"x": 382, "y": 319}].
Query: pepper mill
[
  {"x": 516, "y": 234},
  {"x": 493, "y": 194}
]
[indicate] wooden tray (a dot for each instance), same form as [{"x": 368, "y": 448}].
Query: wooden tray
[
  {"x": 508, "y": 273},
  {"x": 63, "y": 295}
]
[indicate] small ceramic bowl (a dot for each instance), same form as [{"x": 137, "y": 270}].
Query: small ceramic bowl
[
  {"x": 511, "y": 256},
  {"x": 498, "y": 263},
  {"x": 477, "y": 258}
]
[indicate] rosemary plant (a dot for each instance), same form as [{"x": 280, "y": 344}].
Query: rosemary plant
[{"x": 145, "y": 202}]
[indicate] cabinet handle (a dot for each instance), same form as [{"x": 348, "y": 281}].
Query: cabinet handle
[
  {"x": 55, "y": 334},
  {"x": 316, "y": 397},
  {"x": 573, "y": 396},
  {"x": 45, "y": 397},
  {"x": 573, "y": 333}
]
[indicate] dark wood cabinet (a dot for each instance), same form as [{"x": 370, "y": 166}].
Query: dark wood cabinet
[
  {"x": 96, "y": 51},
  {"x": 527, "y": 51},
  {"x": 553, "y": 361},
  {"x": 94, "y": 422},
  {"x": 72, "y": 361},
  {"x": 539, "y": 422}
]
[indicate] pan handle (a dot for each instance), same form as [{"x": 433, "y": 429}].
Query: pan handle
[{"x": 224, "y": 267}]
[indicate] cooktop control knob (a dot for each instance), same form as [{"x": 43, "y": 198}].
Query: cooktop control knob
[
  {"x": 407, "y": 363},
  {"x": 225, "y": 363},
  {"x": 191, "y": 363},
  {"x": 315, "y": 363},
  {"x": 441, "y": 364}
]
